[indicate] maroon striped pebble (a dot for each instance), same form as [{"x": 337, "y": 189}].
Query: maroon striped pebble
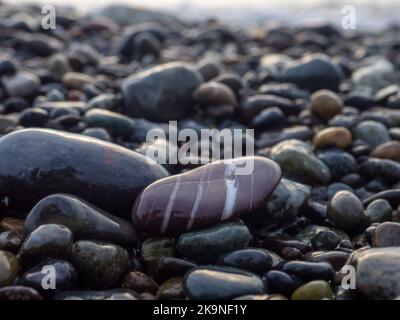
[{"x": 204, "y": 196}]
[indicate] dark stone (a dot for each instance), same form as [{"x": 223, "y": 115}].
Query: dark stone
[
  {"x": 10, "y": 241},
  {"x": 381, "y": 168},
  {"x": 314, "y": 73},
  {"x": 65, "y": 277},
  {"x": 174, "y": 84},
  {"x": 340, "y": 163},
  {"x": 47, "y": 241},
  {"x": 19, "y": 293},
  {"x": 181, "y": 202},
  {"x": 139, "y": 282},
  {"x": 42, "y": 162},
  {"x": 254, "y": 260},
  {"x": 280, "y": 282},
  {"x": 84, "y": 220},
  {"x": 33, "y": 117},
  {"x": 168, "y": 267},
  {"x": 100, "y": 265},
  {"x": 220, "y": 283},
  {"x": 386, "y": 234},
  {"x": 310, "y": 270},
  {"x": 113, "y": 294}
]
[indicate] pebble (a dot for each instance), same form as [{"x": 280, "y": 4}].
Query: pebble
[
  {"x": 33, "y": 117},
  {"x": 299, "y": 163},
  {"x": 372, "y": 132},
  {"x": 333, "y": 137},
  {"x": 378, "y": 210},
  {"x": 325, "y": 240},
  {"x": 254, "y": 260},
  {"x": 10, "y": 241},
  {"x": 47, "y": 241},
  {"x": 168, "y": 267},
  {"x": 279, "y": 282},
  {"x": 100, "y": 265},
  {"x": 388, "y": 150},
  {"x": 84, "y": 220},
  {"x": 113, "y": 294},
  {"x": 386, "y": 234},
  {"x": 153, "y": 249},
  {"x": 98, "y": 133},
  {"x": 220, "y": 283},
  {"x": 19, "y": 293},
  {"x": 340, "y": 163},
  {"x": 139, "y": 282},
  {"x": 8, "y": 268},
  {"x": 309, "y": 270},
  {"x": 325, "y": 104},
  {"x": 381, "y": 169},
  {"x": 175, "y": 84},
  {"x": 314, "y": 290},
  {"x": 65, "y": 277},
  {"x": 283, "y": 204},
  {"x": 12, "y": 224},
  {"x": 22, "y": 84},
  {"x": 75, "y": 80},
  {"x": 109, "y": 175},
  {"x": 214, "y": 94},
  {"x": 172, "y": 289},
  {"x": 378, "y": 272},
  {"x": 314, "y": 73},
  {"x": 345, "y": 210},
  {"x": 113, "y": 122},
  {"x": 165, "y": 203},
  {"x": 209, "y": 244}
]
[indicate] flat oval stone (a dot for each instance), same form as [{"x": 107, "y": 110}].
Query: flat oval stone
[
  {"x": 209, "y": 244},
  {"x": 333, "y": 137},
  {"x": 388, "y": 150},
  {"x": 216, "y": 283},
  {"x": 84, "y": 220},
  {"x": 182, "y": 202},
  {"x": 310, "y": 270},
  {"x": 251, "y": 259},
  {"x": 42, "y": 162}
]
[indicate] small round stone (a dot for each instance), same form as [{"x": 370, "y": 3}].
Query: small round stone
[
  {"x": 99, "y": 265},
  {"x": 214, "y": 94},
  {"x": 389, "y": 150},
  {"x": 172, "y": 289},
  {"x": 33, "y": 117},
  {"x": 139, "y": 282},
  {"x": 314, "y": 290},
  {"x": 333, "y": 137},
  {"x": 386, "y": 234},
  {"x": 378, "y": 210},
  {"x": 325, "y": 240},
  {"x": 345, "y": 210},
  {"x": 326, "y": 104},
  {"x": 372, "y": 132}
]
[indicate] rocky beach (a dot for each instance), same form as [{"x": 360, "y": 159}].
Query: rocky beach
[{"x": 87, "y": 214}]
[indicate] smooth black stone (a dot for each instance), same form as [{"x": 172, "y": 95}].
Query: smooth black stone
[
  {"x": 8, "y": 65},
  {"x": 42, "y": 162},
  {"x": 381, "y": 169},
  {"x": 47, "y": 241},
  {"x": 216, "y": 283},
  {"x": 84, "y": 220},
  {"x": 393, "y": 196},
  {"x": 255, "y": 260},
  {"x": 310, "y": 270},
  {"x": 314, "y": 74},
  {"x": 168, "y": 267},
  {"x": 33, "y": 117},
  {"x": 65, "y": 277},
  {"x": 269, "y": 118},
  {"x": 280, "y": 282}
]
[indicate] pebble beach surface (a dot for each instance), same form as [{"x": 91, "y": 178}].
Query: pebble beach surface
[{"x": 80, "y": 194}]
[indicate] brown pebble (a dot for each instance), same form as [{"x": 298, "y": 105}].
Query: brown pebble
[
  {"x": 386, "y": 234},
  {"x": 172, "y": 289},
  {"x": 326, "y": 104},
  {"x": 333, "y": 137},
  {"x": 389, "y": 150},
  {"x": 214, "y": 94},
  {"x": 139, "y": 282},
  {"x": 12, "y": 224}
]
